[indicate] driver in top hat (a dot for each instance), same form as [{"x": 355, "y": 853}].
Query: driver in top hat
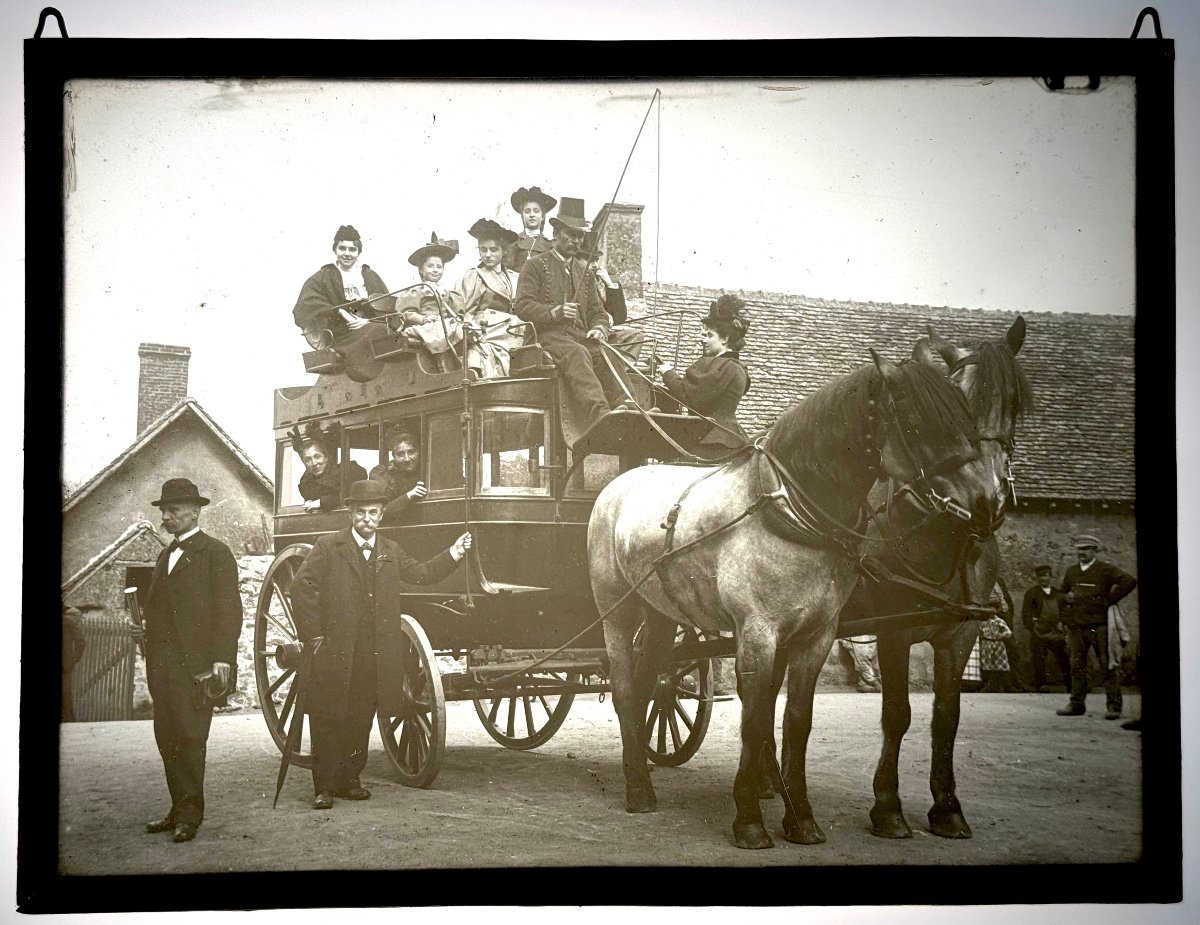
[
  {"x": 191, "y": 622},
  {"x": 556, "y": 294}
]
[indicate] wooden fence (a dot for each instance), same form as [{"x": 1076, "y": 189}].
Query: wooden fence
[{"x": 102, "y": 681}]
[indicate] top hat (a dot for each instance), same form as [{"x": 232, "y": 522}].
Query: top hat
[
  {"x": 365, "y": 490},
  {"x": 571, "y": 215},
  {"x": 1084, "y": 540},
  {"x": 532, "y": 194},
  {"x": 435, "y": 248},
  {"x": 347, "y": 233},
  {"x": 175, "y": 491},
  {"x": 487, "y": 230}
]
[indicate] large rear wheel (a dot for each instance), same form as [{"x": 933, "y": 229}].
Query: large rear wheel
[
  {"x": 529, "y": 712},
  {"x": 275, "y": 631},
  {"x": 415, "y": 737}
]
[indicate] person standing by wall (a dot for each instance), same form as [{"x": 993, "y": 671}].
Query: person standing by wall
[
  {"x": 192, "y": 620},
  {"x": 1041, "y": 615},
  {"x": 1090, "y": 587}
]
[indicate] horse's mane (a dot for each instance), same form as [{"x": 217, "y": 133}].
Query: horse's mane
[
  {"x": 827, "y": 434},
  {"x": 998, "y": 376}
]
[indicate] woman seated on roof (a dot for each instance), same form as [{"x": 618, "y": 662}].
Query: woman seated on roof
[
  {"x": 324, "y": 483},
  {"x": 335, "y": 298},
  {"x": 431, "y": 313},
  {"x": 715, "y": 383},
  {"x": 532, "y": 205},
  {"x": 487, "y": 292}
]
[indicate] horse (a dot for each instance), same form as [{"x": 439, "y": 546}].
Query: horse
[
  {"x": 963, "y": 561},
  {"x": 766, "y": 546}
]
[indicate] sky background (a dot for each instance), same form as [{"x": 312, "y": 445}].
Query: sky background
[
  {"x": 199, "y": 207},
  {"x": 553, "y": 19}
]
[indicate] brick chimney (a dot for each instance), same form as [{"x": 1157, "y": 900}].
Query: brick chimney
[
  {"x": 621, "y": 240},
  {"x": 162, "y": 381}
]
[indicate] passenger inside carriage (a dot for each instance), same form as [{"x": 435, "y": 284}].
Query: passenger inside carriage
[
  {"x": 324, "y": 481},
  {"x": 432, "y": 314},
  {"x": 401, "y": 474}
]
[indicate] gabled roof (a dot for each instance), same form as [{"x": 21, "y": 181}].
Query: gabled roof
[
  {"x": 1078, "y": 442},
  {"x": 109, "y": 552},
  {"x": 176, "y": 411}
]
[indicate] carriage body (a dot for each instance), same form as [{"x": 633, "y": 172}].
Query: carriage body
[{"x": 515, "y": 629}]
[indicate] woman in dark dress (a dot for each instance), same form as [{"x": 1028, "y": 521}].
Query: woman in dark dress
[
  {"x": 324, "y": 483},
  {"x": 532, "y": 205},
  {"x": 715, "y": 383}
]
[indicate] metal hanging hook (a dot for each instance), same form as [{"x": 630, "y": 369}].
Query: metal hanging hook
[
  {"x": 1153, "y": 14},
  {"x": 62, "y": 26}
]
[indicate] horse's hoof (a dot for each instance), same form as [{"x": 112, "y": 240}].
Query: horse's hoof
[
  {"x": 890, "y": 825},
  {"x": 640, "y": 801},
  {"x": 806, "y": 832},
  {"x": 950, "y": 825},
  {"x": 751, "y": 835}
]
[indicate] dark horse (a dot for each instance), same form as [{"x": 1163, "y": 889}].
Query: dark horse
[
  {"x": 765, "y": 546},
  {"x": 961, "y": 559}
]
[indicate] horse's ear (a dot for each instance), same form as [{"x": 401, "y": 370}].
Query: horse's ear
[
  {"x": 887, "y": 368},
  {"x": 923, "y": 353},
  {"x": 943, "y": 348},
  {"x": 1016, "y": 335}
]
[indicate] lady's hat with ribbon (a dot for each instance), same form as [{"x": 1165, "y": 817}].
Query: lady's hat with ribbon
[
  {"x": 532, "y": 194},
  {"x": 487, "y": 230},
  {"x": 435, "y": 248},
  {"x": 728, "y": 317}
]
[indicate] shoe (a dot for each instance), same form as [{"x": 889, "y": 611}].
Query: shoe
[
  {"x": 1043, "y": 688},
  {"x": 1135, "y": 725},
  {"x": 1112, "y": 714},
  {"x": 324, "y": 800},
  {"x": 354, "y": 792},
  {"x": 868, "y": 687},
  {"x": 185, "y": 831},
  {"x": 165, "y": 824},
  {"x": 1072, "y": 709}
]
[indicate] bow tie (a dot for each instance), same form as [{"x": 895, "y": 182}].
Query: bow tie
[{"x": 175, "y": 544}]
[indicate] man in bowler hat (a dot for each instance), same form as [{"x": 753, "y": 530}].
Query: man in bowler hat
[
  {"x": 192, "y": 620},
  {"x": 1089, "y": 588},
  {"x": 346, "y": 599}
]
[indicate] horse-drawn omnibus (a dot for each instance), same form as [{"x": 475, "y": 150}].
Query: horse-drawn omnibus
[{"x": 516, "y": 631}]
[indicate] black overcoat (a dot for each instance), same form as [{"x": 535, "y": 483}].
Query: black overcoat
[
  {"x": 200, "y": 600},
  {"x": 332, "y": 594},
  {"x": 713, "y": 386},
  {"x": 323, "y": 290}
]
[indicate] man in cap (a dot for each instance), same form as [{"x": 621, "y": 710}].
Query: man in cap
[
  {"x": 346, "y": 600},
  {"x": 191, "y": 623},
  {"x": 1041, "y": 613},
  {"x": 335, "y": 286},
  {"x": 532, "y": 205},
  {"x": 557, "y": 295},
  {"x": 1090, "y": 587}
]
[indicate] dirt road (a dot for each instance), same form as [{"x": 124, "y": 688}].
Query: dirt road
[{"x": 1036, "y": 788}]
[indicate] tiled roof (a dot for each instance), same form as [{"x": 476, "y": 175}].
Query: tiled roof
[
  {"x": 185, "y": 405},
  {"x": 134, "y": 530},
  {"x": 1078, "y": 442}
]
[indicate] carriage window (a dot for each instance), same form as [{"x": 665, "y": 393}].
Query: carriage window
[
  {"x": 446, "y": 462},
  {"x": 512, "y": 448},
  {"x": 364, "y": 446},
  {"x": 597, "y": 471}
]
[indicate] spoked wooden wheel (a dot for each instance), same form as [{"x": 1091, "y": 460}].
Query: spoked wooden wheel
[
  {"x": 525, "y": 716},
  {"x": 680, "y": 707},
  {"x": 273, "y": 627},
  {"x": 415, "y": 737}
]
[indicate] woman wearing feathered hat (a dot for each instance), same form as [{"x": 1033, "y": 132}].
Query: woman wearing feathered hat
[
  {"x": 431, "y": 313},
  {"x": 486, "y": 292},
  {"x": 715, "y": 383},
  {"x": 532, "y": 205}
]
